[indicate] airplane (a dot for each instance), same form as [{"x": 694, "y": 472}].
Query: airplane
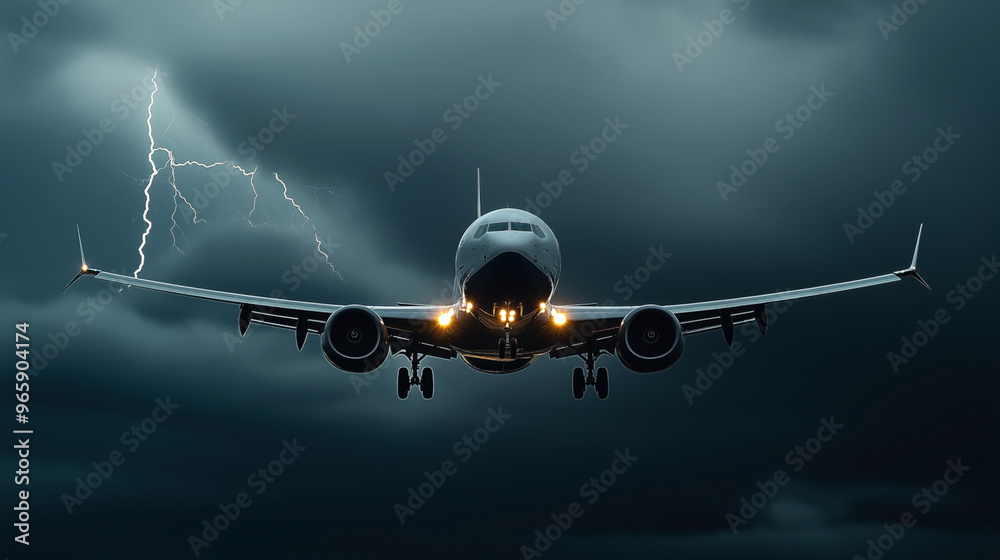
[{"x": 507, "y": 268}]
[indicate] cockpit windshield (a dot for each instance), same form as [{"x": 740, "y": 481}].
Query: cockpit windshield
[{"x": 508, "y": 226}]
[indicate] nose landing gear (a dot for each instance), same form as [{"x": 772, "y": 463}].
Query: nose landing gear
[{"x": 507, "y": 346}]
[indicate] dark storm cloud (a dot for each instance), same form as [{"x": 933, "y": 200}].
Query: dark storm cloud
[{"x": 656, "y": 185}]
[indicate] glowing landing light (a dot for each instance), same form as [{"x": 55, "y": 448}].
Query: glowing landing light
[
  {"x": 468, "y": 307},
  {"x": 542, "y": 307},
  {"x": 558, "y": 318},
  {"x": 503, "y": 315},
  {"x": 444, "y": 319}
]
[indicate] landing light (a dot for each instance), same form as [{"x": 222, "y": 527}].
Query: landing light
[
  {"x": 468, "y": 307},
  {"x": 444, "y": 319},
  {"x": 542, "y": 307},
  {"x": 558, "y": 318}
]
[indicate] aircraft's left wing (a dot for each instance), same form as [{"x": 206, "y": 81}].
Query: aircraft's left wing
[
  {"x": 719, "y": 314},
  {"x": 406, "y": 324}
]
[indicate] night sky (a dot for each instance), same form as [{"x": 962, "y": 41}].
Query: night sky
[{"x": 764, "y": 145}]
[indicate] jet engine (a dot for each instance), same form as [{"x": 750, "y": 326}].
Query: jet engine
[
  {"x": 649, "y": 340},
  {"x": 355, "y": 339}
]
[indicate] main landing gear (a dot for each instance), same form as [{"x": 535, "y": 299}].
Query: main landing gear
[
  {"x": 580, "y": 382},
  {"x": 404, "y": 380}
]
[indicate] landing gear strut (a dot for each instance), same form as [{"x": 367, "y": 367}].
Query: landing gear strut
[
  {"x": 580, "y": 383},
  {"x": 405, "y": 379},
  {"x": 507, "y": 345}
]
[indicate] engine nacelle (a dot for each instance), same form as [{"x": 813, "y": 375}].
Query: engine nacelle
[
  {"x": 650, "y": 340},
  {"x": 355, "y": 339}
]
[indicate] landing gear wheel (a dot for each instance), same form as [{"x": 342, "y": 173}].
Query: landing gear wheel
[
  {"x": 403, "y": 383},
  {"x": 427, "y": 383},
  {"x": 602, "y": 383},
  {"x": 513, "y": 348},
  {"x": 579, "y": 384},
  {"x": 502, "y": 350}
]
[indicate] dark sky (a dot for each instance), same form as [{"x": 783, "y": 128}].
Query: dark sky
[{"x": 891, "y": 92}]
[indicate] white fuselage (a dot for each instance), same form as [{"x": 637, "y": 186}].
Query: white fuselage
[{"x": 506, "y": 270}]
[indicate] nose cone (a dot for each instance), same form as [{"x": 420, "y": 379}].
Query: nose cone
[
  {"x": 508, "y": 233},
  {"x": 542, "y": 253}
]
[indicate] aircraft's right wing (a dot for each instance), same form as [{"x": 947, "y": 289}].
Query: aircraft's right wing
[{"x": 721, "y": 314}]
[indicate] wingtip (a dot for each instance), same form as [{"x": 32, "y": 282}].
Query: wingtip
[
  {"x": 79, "y": 237},
  {"x": 84, "y": 269},
  {"x": 916, "y": 248},
  {"x": 912, "y": 271}
]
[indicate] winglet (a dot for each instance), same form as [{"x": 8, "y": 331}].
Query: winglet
[
  {"x": 479, "y": 196},
  {"x": 79, "y": 237},
  {"x": 912, "y": 271},
  {"x": 84, "y": 269}
]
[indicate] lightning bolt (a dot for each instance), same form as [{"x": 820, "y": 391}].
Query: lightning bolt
[
  {"x": 308, "y": 220},
  {"x": 178, "y": 197}
]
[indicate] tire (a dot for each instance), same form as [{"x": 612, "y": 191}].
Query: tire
[
  {"x": 427, "y": 383},
  {"x": 579, "y": 384},
  {"x": 602, "y": 383},
  {"x": 403, "y": 383}
]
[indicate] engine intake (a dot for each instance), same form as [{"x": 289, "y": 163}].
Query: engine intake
[
  {"x": 649, "y": 340},
  {"x": 355, "y": 339}
]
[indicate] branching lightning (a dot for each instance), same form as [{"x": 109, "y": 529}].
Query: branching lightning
[{"x": 178, "y": 197}]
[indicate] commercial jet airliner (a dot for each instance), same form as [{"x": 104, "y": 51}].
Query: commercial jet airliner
[{"x": 503, "y": 318}]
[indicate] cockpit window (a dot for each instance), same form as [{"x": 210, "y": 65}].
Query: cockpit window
[
  {"x": 479, "y": 232},
  {"x": 520, "y": 226},
  {"x": 538, "y": 231},
  {"x": 499, "y": 226}
]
